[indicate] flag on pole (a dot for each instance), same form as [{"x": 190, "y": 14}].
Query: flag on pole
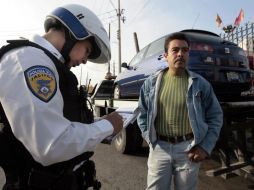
[
  {"x": 218, "y": 20},
  {"x": 239, "y": 19}
]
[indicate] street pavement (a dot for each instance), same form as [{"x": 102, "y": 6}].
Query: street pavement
[{"x": 128, "y": 172}]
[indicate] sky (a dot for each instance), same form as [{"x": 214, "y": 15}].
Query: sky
[{"x": 150, "y": 19}]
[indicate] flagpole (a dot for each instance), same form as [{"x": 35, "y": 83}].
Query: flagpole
[{"x": 195, "y": 20}]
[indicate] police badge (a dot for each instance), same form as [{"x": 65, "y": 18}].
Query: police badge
[{"x": 41, "y": 81}]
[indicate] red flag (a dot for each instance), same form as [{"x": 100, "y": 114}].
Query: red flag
[
  {"x": 218, "y": 20},
  {"x": 239, "y": 19}
]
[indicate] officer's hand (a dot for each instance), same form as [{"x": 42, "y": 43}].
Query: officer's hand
[{"x": 116, "y": 120}]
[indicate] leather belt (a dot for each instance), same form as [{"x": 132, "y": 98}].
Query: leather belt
[{"x": 176, "y": 139}]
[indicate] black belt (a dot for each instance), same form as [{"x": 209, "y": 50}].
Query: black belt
[{"x": 176, "y": 139}]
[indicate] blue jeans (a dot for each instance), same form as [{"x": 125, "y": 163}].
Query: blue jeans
[{"x": 169, "y": 162}]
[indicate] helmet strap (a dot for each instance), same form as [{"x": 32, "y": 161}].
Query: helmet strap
[{"x": 68, "y": 45}]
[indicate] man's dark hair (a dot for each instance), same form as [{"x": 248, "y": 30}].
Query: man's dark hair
[{"x": 175, "y": 36}]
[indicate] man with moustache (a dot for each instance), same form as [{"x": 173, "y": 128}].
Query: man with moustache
[{"x": 180, "y": 119}]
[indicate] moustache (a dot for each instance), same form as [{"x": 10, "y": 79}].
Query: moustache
[{"x": 180, "y": 59}]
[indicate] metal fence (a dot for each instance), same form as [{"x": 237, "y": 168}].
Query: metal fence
[{"x": 243, "y": 36}]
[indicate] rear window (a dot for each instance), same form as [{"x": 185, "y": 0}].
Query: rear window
[
  {"x": 195, "y": 46},
  {"x": 216, "y": 52}
]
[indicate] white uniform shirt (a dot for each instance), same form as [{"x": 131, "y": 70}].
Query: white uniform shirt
[{"x": 40, "y": 125}]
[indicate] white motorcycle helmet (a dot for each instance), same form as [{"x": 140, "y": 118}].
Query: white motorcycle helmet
[{"x": 82, "y": 24}]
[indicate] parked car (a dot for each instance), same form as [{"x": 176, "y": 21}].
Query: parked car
[
  {"x": 222, "y": 63},
  {"x": 102, "y": 90}
]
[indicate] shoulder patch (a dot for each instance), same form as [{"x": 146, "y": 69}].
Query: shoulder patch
[{"x": 41, "y": 82}]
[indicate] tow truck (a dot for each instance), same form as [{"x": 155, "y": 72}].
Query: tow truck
[{"x": 235, "y": 147}]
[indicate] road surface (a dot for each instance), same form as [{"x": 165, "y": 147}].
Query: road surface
[{"x": 128, "y": 172}]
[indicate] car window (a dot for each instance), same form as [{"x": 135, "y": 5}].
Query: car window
[
  {"x": 210, "y": 53},
  {"x": 104, "y": 89},
  {"x": 201, "y": 47},
  {"x": 155, "y": 47},
  {"x": 137, "y": 58}
]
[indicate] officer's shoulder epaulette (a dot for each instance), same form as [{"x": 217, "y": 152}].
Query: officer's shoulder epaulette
[{"x": 12, "y": 44}]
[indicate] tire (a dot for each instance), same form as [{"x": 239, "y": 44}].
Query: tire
[
  {"x": 117, "y": 92},
  {"x": 122, "y": 143},
  {"x": 129, "y": 140}
]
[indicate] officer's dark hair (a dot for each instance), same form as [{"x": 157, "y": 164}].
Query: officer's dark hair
[
  {"x": 175, "y": 36},
  {"x": 52, "y": 23}
]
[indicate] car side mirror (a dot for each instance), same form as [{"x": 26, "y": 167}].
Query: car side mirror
[
  {"x": 160, "y": 57},
  {"x": 124, "y": 65}
]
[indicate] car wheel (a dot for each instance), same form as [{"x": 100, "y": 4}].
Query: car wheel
[
  {"x": 117, "y": 92},
  {"x": 128, "y": 140},
  {"x": 120, "y": 142}
]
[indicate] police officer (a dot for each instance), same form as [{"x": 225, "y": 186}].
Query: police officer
[{"x": 37, "y": 96}]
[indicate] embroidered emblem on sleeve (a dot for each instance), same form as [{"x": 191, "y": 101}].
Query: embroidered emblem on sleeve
[{"x": 41, "y": 81}]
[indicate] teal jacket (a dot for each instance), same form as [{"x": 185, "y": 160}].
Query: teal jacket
[{"x": 205, "y": 113}]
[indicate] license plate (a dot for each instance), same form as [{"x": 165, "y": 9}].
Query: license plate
[{"x": 232, "y": 76}]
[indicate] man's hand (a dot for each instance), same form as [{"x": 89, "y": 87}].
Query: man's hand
[
  {"x": 116, "y": 120},
  {"x": 197, "y": 154}
]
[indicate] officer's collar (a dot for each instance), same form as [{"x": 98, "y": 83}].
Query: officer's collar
[{"x": 46, "y": 44}]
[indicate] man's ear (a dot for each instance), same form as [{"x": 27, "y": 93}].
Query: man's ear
[{"x": 165, "y": 55}]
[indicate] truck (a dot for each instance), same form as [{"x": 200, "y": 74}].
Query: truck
[
  {"x": 235, "y": 146},
  {"x": 129, "y": 140},
  {"x": 223, "y": 63}
]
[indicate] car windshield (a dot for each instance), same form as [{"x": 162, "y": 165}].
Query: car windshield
[
  {"x": 138, "y": 57},
  {"x": 155, "y": 47}
]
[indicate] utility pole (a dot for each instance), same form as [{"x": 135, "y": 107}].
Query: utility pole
[
  {"x": 114, "y": 72},
  {"x": 119, "y": 14},
  {"x": 108, "y": 74},
  {"x": 136, "y": 42}
]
